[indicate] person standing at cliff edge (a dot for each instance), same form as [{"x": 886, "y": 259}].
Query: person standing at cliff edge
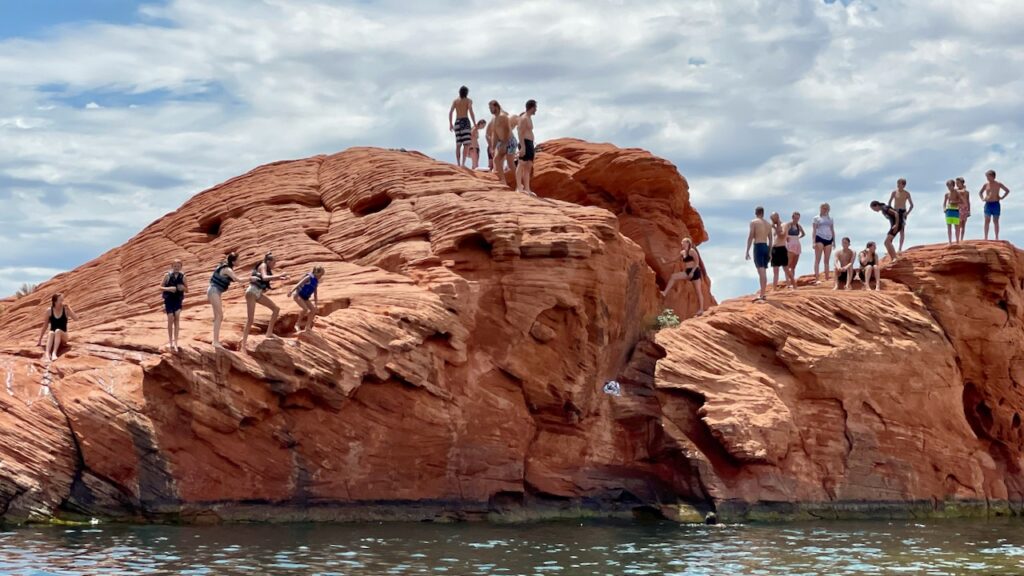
[
  {"x": 502, "y": 132},
  {"x": 780, "y": 254},
  {"x": 259, "y": 284},
  {"x": 990, "y": 194},
  {"x": 221, "y": 279},
  {"x": 173, "y": 289},
  {"x": 691, "y": 271},
  {"x": 965, "y": 206},
  {"x": 462, "y": 108},
  {"x": 824, "y": 231},
  {"x": 760, "y": 235},
  {"x": 525, "y": 169},
  {"x": 951, "y": 206},
  {"x": 894, "y": 229},
  {"x": 900, "y": 200}
]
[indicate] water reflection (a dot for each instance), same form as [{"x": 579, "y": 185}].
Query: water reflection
[{"x": 995, "y": 547}]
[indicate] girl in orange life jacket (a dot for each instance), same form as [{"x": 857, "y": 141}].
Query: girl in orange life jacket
[
  {"x": 259, "y": 282},
  {"x": 302, "y": 291},
  {"x": 173, "y": 290},
  {"x": 57, "y": 322},
  {"x": 219, "y": 282}
]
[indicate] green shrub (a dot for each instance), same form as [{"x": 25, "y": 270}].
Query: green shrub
[
  {"x": 25, "y": 290},
  {"x": 667, "y": 319}
]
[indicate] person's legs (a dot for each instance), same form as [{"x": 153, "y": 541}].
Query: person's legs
[
  {"x": 827, "y": 253},
  {"x": 474, "y": 154},
  {"x": 170, "y": 330},
  {"x": 274, "y": 312},
  {"x": 889, "y": 247},
  {"x": 878, "y": 277},
  {"x": 458, "y": 153},
  {"x": 499, "y": 162},
  {"x": 250, "y": 311},
  {"x": 763, "y": 276},
  {"x": 849, "y": 277},
  {"x": 312, "y": 315},
  {"x": 789, "y": 277},
  {"x": 995, "y": 223},
  {"x": 793, "y": 259},
  {"x": 213, "y": 295},
  {"x": 302, "y": 311},
  {"x": 775, "y": 277},
  {"x": 698, "y": 285},
  {"x": 528, "y": 175},
  {"x": 59, "y": 337},
  {"x": 519, "y": 176},
  {"x": 817, "y": 259},
  {"x": 903, "y": 235},
  {"x": 177, "y": 328},
  {"x": 987, "y": 219},
  {"x": 48, "y": 353}
]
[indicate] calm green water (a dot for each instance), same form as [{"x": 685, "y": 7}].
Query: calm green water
[{"x": 994, "y": 547}]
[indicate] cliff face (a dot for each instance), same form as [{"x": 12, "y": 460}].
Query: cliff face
[
  {"x": 457, "y": 366},
  {"x": 465, "y": 335}
]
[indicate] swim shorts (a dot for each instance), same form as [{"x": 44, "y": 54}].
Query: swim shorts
[
  {"x": 463, "y": 130},
  {"x": 173, "y": 303},
  {"x": 696, "y": 274},
  {"x": 842, "y": 276},
  {"x": 822, "y": 241},
  {"x": 780, "y": 256},
  {"x": 953, "y": 216},
  {"x": 761, "y": 255},
  {"x": 513, "y": 145},
  {"x": 254, "y": 290},
  {"x": 993, "y": 209},
  {"x": 528, "y": 152}
]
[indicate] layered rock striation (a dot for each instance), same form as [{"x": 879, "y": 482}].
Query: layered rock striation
[{"x": 457, "y": 366}]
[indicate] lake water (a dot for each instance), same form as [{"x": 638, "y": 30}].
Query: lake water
[{"x": 948, "y": 547}]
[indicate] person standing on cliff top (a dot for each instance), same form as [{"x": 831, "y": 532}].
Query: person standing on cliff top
[
  {"x": 221, "y": 279},
  {"x": 824, "y": 231},
  {"x": 951, "y": 206},
  {"x": 760, "y": 235},
  {"x": 900, "y": 199},
  {"x": 259, "y": 285},
  {"x": 990, "y": 194},
  {"x": 490, "y": 146},
  {"x": 965, "y": 206},
  {"x": 779, "y": 253},
  {"x": 525, "y": 169},
  {"x": 894, "y": 218},
  {"x": 502, "y": 134},
  {"x": 462, "y": 108},
  {"x": 474, "y": 143},
  {"x": 844, "y": 265}
]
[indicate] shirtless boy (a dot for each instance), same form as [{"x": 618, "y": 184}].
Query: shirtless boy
[
  {"x": 899, "y": 199},
  {"x": 965, "y": 206},
  {"x": 502, "y": 132},
  {"x": 760, "y": 235},
  {"x": 844, "y": 265},
  {"x": 525, "y": 169},
  {"x": 990, "y": 194},
  {"x": 462, "y": 108},
  {"x": 780, "y": 253}
]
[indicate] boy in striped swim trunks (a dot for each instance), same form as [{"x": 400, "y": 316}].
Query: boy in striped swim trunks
[{"x": 462, "y": 108}]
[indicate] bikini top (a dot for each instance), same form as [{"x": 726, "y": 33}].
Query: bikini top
[{"x": 794, "y": 230}]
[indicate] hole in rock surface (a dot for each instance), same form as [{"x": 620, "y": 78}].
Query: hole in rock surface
[{"x": 371, "y": 204}]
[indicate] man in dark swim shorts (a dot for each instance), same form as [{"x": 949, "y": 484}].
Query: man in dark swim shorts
[
  {"x": 759, "y": 236},
  {"x": 524, "y": 171}
]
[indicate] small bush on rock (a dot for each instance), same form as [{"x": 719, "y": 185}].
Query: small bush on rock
[{"x": 667, "y": 319}]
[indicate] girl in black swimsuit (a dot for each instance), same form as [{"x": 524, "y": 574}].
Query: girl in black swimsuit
[
  {"x": 55, "y": 326},
  {"x": 691, "y": 271},
  {"x": 869, "y": 266}
]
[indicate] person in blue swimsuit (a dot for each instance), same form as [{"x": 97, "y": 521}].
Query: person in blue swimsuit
[
  {"x": 173, "y": 290},
  {"x": 302, "y": 292},
  {"x": 991, "y": 193},
  {"x": 55, "y": 326}
]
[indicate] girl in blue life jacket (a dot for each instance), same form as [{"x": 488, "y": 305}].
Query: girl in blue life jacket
[{"x": 306, "y": 288}]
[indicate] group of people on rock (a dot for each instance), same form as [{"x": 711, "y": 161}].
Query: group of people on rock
[
  {"x": 174, "y": 286},
  {"x": 777, "y": 244},
  {"x": 501, "y": 138}
]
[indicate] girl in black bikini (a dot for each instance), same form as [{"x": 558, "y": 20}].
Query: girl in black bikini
[
  {"x": 691, "y": 271},
  {"x": 57, "y": 324},
  {"x": 869, "y": 266}
]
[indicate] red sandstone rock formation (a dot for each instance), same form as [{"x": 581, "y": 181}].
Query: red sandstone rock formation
[
  {"x": 457, "y": 367},
  {"x": 465, "y": 335}
]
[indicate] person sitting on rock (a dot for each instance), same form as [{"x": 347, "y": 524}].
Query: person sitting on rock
[
  {"x": 56, "y": 322},
  {"x": 302, "y": 291},
  {"x": 221, "y": 279},
  {"x": 869, "y": 266},
  {"x": 894, "y": 225},
  {"x": 173, "y": 290},
  {"x": 259, "y": 284},
  {"x": 691, "y": 271},
  {"x": 845, "y": 259}
]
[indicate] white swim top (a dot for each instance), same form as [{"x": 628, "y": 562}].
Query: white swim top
[{"x": 823, "y": 227}]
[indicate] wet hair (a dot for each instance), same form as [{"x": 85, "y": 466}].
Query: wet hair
[
  {"x": 759, "y": 211},
  {"x": 230, "y": 259},
  {"x": 901, "y": 181},
  {"x": 876, "y": 204},
  {"x": 531, "y": 104},
  {"x": 870, "y": 245},
  {"x": 950, "y": 183},
  {"x": 53, "y": 299},
  {"x": 959, "y": 178},
  {"x": 463, "y": 92},
  {"x": 992, "y": 172},
  {"x": 795, "y": 214}
]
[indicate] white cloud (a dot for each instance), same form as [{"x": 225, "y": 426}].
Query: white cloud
[{"x": 787, "y": 103}]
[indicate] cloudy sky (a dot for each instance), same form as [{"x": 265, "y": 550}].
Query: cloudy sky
[{"x": 113, "y": 113}]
